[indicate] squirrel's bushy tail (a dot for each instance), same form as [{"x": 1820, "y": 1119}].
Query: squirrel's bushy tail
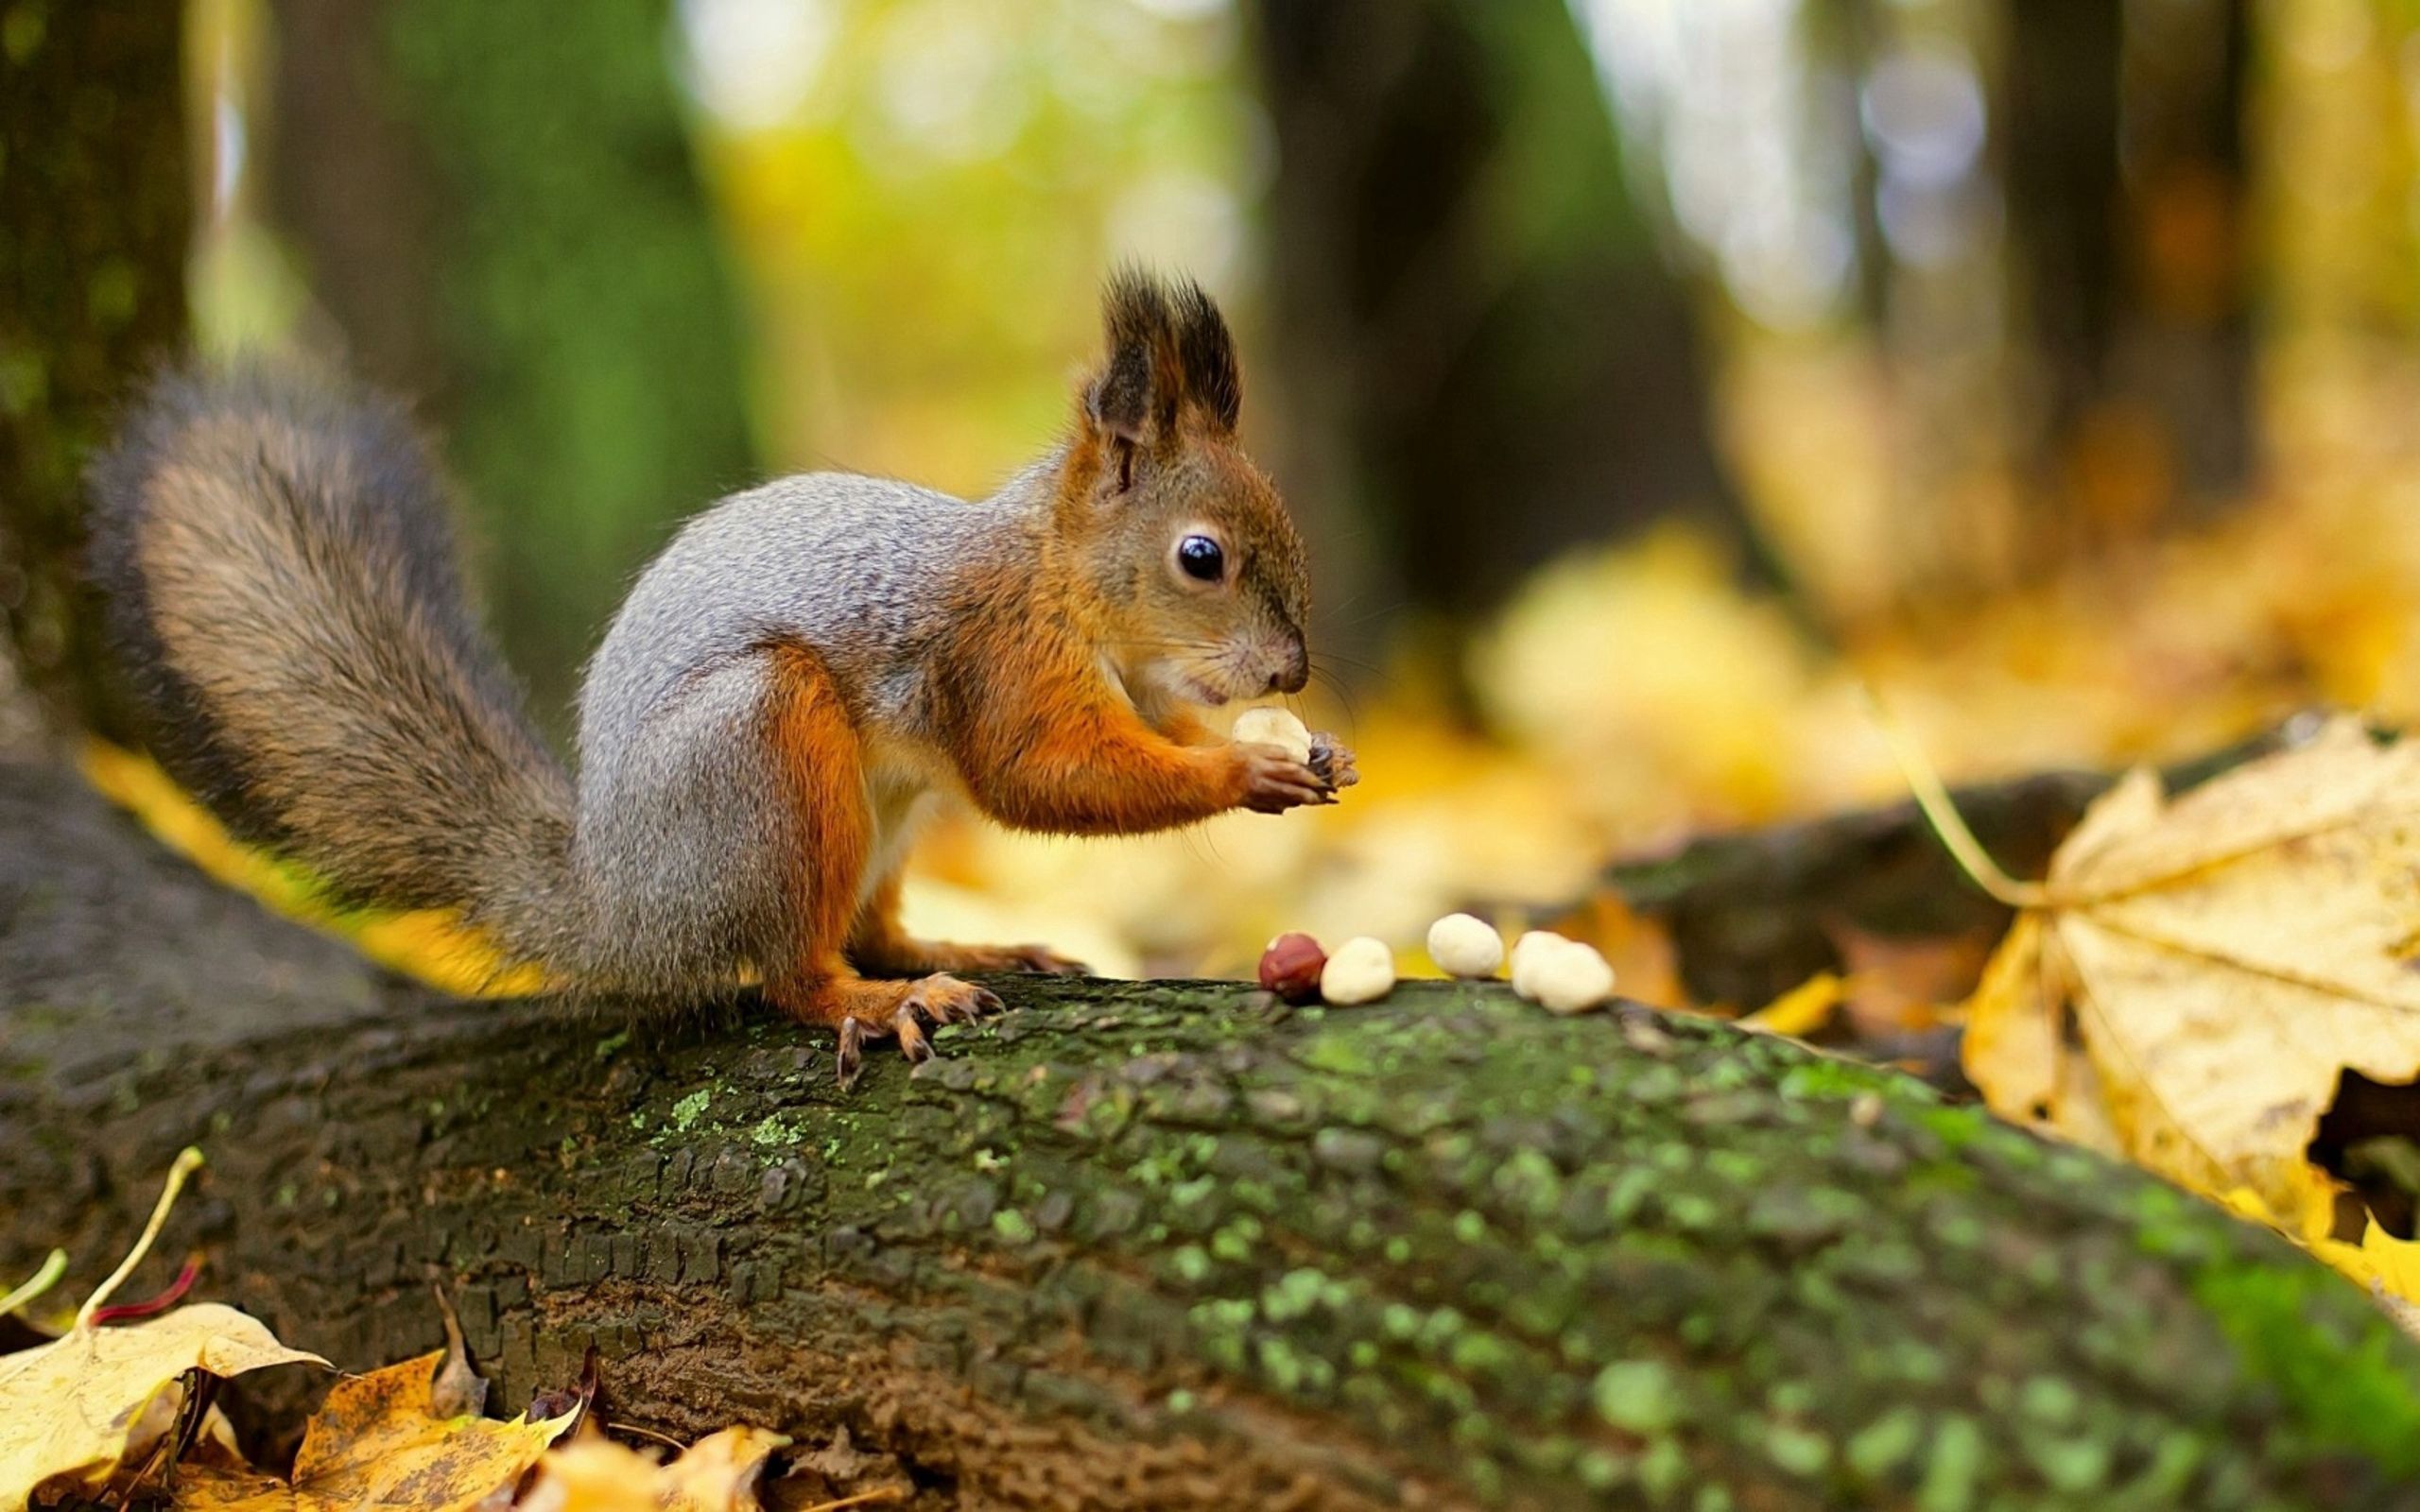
[{"x": 282, "y": 582}]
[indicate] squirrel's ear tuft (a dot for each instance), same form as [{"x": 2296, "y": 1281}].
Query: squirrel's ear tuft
[
  {"x": 1207, "y": 355},
  {"x": 1168, "y": 349}
]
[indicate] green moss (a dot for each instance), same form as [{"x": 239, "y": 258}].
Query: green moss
[
  {"x": 1954, "y": 1469},
  {"x": 1886, "y": 1443},
  {"x": 2074, "y": 1464},
  {"x": 1797, "y": 1449},
  {"x": 1637, "y": 1396},
  {"x": 777, "y": 1132},
  {"x": 2341, "y": 1390}
]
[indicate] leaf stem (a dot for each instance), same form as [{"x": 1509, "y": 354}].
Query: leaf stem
[
  {"x": 39, "y": 1282},
  {"x": 188, "y": 1162},
  {"x": 1942, "y": 814}
]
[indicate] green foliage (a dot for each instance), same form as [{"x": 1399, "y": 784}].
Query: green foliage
[
  {"x": 930, "y": 224},
  {"x": 590, "y": 322}
]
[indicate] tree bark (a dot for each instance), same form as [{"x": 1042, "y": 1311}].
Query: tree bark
[{"x": 1173, "y": 1245}]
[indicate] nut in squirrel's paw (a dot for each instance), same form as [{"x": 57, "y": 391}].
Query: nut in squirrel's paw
[
  {"x": 1323, "y": 753},
  {"x": 1275, "y": 727}
]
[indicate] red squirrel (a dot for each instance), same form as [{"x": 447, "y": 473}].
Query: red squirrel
[{"x": 788, "y": 685}]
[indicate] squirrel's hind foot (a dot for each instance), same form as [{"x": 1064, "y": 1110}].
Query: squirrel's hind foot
[{"x": 860, "y": 1010}]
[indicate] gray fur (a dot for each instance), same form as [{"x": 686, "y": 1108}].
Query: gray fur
[
  {"x": 681, "y": 818},
  {"x": 275, "y": 553}
]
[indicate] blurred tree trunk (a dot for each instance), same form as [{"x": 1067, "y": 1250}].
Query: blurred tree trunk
[
  {"x": 94, "y": 217},
  {"x": 2188, "y": 354},
  {"x": 2060, "y": 84},
  {"x": 1484, "y": 358},
  {"x": 498, "y": 208},
  {"x": 2123, "y": 148}
]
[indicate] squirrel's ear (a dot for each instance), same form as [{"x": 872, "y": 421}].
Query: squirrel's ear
[
  {"x": 1168, "y": 349},
  {"x": 1120, "y": 399},
  {"x": 1205, "y": 358}
]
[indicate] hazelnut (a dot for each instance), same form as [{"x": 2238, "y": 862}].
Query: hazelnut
[
  {"x": 1530, "y": 942},
  {"x": 1273, "y": 726},
  {"x": 1290, "y": 967}
]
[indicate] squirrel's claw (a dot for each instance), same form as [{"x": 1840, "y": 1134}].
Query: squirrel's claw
[
  {"x": 851, "y": 1056},
  {"x": 912, "y": 1042},
  {"x": 1275, "y": 781},
  {"x": 1333, "y": 760},
  {"x": 862, "y": 1010}
]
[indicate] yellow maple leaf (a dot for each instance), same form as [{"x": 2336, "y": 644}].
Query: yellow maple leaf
[
  {"x": 381, "y": 1440},
  {"x": 2218, "y": 963},
  {"x": 2191, "y": 982},
  {"x": 73, "y": 1409},
  {"x": 67, "y": 1408}
]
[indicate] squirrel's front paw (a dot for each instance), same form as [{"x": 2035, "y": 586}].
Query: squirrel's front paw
[
  {"x": 1275, "y": 781},
  {"x": 1333, "y": 760}
]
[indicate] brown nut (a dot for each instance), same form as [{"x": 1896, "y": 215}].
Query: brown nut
[{"x": 1290, "y": 967}]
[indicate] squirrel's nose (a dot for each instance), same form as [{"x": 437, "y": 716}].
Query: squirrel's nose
[{"x": 1294, "y": 674}]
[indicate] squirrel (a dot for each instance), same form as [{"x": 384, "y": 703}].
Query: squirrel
[{"x": 789, "y": 683}]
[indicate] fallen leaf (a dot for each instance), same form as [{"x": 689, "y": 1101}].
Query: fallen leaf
[
  {"x": 2015, "y": 1027},
  {"x": 378, "y": 1441},
  {"x": 1802, "y": 1009},
  {"x": 1901, "y": 984},
  {"x": 67, "y": 1408},
  {"x": 2195, "y": 977},
  {"x": 434, "y": 945},
  {"x": 718, "y": 1473}
]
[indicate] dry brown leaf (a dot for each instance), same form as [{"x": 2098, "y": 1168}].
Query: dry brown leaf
[
  {"x": 718, "y": 1473},
  {"x": 2198, "y": 974},
  {"x": 68, "y": 1407},
  {"x": 379, "y": 1442},
  {"x": 1903, "y": 985}
]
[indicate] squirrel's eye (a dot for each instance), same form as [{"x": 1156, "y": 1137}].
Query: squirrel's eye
[{"x": 1201, "y": 559}]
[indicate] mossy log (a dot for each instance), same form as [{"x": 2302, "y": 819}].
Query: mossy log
[{"x": 1173, "y": 1245}]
